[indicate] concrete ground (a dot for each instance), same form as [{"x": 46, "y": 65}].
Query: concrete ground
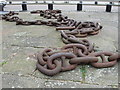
[{"x": 20, "y": 42}]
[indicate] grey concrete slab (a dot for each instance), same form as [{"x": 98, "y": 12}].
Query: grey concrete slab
[
  {"x": 14, "y": 81},
  {"x": 9, "y": 52},
  {"x": 104, "y": 76},
  {"x": 25, "y": 36},
  {"x": 21, "y": 63},
  {"x": 19, "y": 66},
  {"x": 19, "y": 81},
  {"x": 71, "y": 84},
  {"x": 34, "y": 40}
]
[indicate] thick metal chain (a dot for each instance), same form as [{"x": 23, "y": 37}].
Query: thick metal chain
[
  {"x": 76, "y": 52},
  {"x": 79, "y": 29},
  {"x": 72, "y": 55}
]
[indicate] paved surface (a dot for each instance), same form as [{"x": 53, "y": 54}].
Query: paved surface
[{"x": 20, "y": 42}]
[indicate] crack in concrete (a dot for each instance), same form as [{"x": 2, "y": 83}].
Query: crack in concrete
[
  {"x": 35, "y": 46},
  {"x": 28, "y": 46},
  {"x": 83, "y": 71}
]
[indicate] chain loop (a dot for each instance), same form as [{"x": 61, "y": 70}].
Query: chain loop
[
  {"x": 104, "y": 63},
  {"x": 78, "y": 46},
  {"x": 58, "y": 55},
  {"x": 40, "y": 56},
  {"x": 50, "y": 72},
  {"x": 114, "y": 57}
]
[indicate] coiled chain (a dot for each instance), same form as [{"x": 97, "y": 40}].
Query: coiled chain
[
  {"x": 72, "y": 55},
  {"x": 76, "y": 52}
]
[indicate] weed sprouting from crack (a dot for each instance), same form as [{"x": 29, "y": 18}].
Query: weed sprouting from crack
[
  {"x": 83, "y": 71},
  {"x": 3, "y": 63}
]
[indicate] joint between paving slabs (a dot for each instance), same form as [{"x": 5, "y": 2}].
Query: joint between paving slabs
[
  {"x": 29, "y": 75},
  {"x": 83, "y": 71},
  {"x": 3, "y": 63},
  {"x": 35, "y": 46},
  {"x": 114, "y": 86}
]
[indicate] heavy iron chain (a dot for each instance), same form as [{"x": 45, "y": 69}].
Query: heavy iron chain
[
  {"x": 70, "y": 56},
  {"x": 76, "y": 52},
  {"x": 78, "y": 29}
]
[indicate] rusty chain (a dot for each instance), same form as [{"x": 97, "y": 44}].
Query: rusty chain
[
  {"x": 76, "y": 52},
  {"x": 70, "y": 56},
  {"x": 78, "y": 29}
]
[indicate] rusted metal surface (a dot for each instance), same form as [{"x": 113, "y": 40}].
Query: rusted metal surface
[
  {"x": 105, "y": 63},
  {"x": 70, "y": 59}
]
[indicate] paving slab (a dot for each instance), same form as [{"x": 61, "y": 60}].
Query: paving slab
[
  {"x": 105, "y": 76},
  {"x": 21, "y": 62},
  {"x": 9, "y": 52},
  {"x": 21, "y": 41},
  {"x": 25, "y": 36},
  {"x": 14, "y": 81},
  {"x": 70, "y": 84}
]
